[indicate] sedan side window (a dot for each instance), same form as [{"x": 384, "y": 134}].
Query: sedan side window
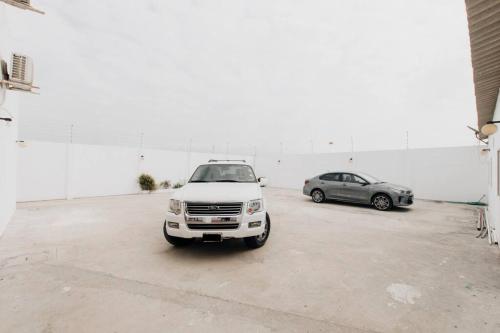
[
  {"x": 331, "y": 177},
  {"x": 337, "y": 177},
  {"x": 359, "y": 180},
  {"x": 327, "y": 177},
  {"x": 350, "y": 178},
  {"x": 347, "y": 178}
]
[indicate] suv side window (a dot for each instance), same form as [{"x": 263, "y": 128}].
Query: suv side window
[{"x": 332, "y": 177}]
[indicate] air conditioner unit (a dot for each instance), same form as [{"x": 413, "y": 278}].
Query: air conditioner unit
[
  {"x": 4, "y": 73},
  {"x": 21, "y": 69},
  {"x": 23, "y": 4},
  {"x": 20, "y": 76}
]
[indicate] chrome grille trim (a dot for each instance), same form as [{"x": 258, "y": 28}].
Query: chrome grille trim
[
  {"x": 212, "y": 226},
  {"x": 213, "y": 208}
]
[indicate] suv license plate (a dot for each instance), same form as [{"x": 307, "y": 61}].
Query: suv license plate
[
  {"x": 223, "y": 219},
  {"x": 212, "y": 237}
]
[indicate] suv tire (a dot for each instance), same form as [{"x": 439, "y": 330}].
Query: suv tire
[
  {"x": 175, "y": 241},
  {"x": 382, "y": 202},
  {"x": 255, "y": 242}
]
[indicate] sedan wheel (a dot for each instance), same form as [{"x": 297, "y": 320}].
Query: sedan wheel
[
  {"x": 382, "y": 202},
  {"x": 318, "y": 196}
]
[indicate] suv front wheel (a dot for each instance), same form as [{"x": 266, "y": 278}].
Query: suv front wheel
[
  {"x": 175, "y": 241},
  {"x": 255, "y": 242}
]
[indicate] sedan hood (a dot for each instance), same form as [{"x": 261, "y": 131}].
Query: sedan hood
[
  {"x": 396, "y": 187},
  {"x": 218, "y": 192}
]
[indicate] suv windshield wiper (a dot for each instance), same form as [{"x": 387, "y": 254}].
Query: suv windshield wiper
[{"x": 226, "y": 181}]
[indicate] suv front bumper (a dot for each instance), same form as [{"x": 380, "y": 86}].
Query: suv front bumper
[{"x": 242, "y": 231}]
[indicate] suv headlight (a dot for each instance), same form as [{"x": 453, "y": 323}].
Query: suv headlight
[
  {"x": 254, "y": 206},
  {"x": 175, "y": 206}
]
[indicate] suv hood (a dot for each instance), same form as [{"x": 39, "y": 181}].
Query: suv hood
[{"x": 218, "y": 192}]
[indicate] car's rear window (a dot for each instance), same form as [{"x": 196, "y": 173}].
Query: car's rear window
[{"x": 331, "y": 177}]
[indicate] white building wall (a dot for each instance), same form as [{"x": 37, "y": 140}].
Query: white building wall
[
  {"x": 450, "y": 174},
  {"x": 8, "y": 134},
  {"x": 48, "y": 170},
  {"x": 494, "y": 174}
]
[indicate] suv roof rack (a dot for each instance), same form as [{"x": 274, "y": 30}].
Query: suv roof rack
[{"x": 211, "y": 161}]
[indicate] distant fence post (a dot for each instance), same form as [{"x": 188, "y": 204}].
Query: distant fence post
[{"x": 69, "y": 164}]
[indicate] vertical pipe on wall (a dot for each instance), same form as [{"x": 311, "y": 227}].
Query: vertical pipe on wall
[
  {"x": 188, "y": 163},
  {"x": 69, "y": 163}
]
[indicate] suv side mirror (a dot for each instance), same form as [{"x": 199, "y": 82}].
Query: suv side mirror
[{"x": 262, "y": 181}]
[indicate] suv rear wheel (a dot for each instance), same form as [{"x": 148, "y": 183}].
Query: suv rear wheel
[{"x": 255, "y": 242}]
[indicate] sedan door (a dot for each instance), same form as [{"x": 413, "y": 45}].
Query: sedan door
[
  {"x": 354, "y": 188},
  {"x": 331, "y": 184}
]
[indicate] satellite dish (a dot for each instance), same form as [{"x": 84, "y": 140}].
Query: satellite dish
[{"x": 489, "y": 129}]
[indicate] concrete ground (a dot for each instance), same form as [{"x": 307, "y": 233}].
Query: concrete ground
[{"x": 102, "y": 265}]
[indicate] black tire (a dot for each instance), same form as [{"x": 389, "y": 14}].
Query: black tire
[
  {"x": 382, "y": 202},
  {"x": 317, "y": 196},
  {"x": 255, "y": 242},
  {"x": 175, "y": 241}
]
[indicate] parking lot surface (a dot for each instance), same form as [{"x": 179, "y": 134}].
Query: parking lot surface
[{"x": 102, "y": 265}]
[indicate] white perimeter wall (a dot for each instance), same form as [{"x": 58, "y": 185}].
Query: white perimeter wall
[
  {"x": 8, "y": 134},
  {"x": 450, "y": 174},
  {"x": 48, "y": 170},
  {"x": 494, "y": 173}
]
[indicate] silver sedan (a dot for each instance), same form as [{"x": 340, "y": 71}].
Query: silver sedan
[{"x": 359, "y": 188}]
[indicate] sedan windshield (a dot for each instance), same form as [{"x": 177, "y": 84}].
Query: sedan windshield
[
  {"x": 220, "y": 173},
  {"x": 368, "y": 178}
]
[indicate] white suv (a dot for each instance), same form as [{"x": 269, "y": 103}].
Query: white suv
[{"x": 222, "y": 200}]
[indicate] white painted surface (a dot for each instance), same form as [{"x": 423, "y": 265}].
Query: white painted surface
[
  {"x": 494, "y": 174},
  {"x": 8, "y": 137},
  {"x": 41, "y": 171},
  {"x": 451, "y": 174},
  {"x": 8, "y": 134},
  {"x": 403, "y": 293},
  {"x": 48, "y": 170}
]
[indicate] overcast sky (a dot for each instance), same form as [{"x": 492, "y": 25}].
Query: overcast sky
[{"x": 249, "y": 73}]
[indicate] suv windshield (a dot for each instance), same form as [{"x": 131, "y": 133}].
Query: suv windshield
[{"x": 230, "y": 173}]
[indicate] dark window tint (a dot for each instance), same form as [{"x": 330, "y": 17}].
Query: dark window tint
[
  {"x": 350, "y": 178},
  {"x": 235, "y": 173},
  {"x": 335, "y": 177}
]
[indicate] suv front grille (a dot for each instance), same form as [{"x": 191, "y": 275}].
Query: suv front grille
[
  {"x": 206, "y": 226},
  {"x": 218, "y": 209}
]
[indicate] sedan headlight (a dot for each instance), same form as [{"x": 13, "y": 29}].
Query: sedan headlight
[
  {"x": 175, "y": 206},
  {"x": 254, "y": 206}
]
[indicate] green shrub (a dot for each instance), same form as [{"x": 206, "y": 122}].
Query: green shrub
[
  {"x": 165, "y": 184},
  {"x": 146, "y": 182},
  {"x": 177, "y": 185}
]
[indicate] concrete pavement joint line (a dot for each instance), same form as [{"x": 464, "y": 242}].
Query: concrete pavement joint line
[{"x": 169, "y": 294}]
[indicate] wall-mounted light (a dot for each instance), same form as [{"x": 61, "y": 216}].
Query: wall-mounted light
[
  {"x": 22, "y": 143},
  {"x": 490, "y": 128}
]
